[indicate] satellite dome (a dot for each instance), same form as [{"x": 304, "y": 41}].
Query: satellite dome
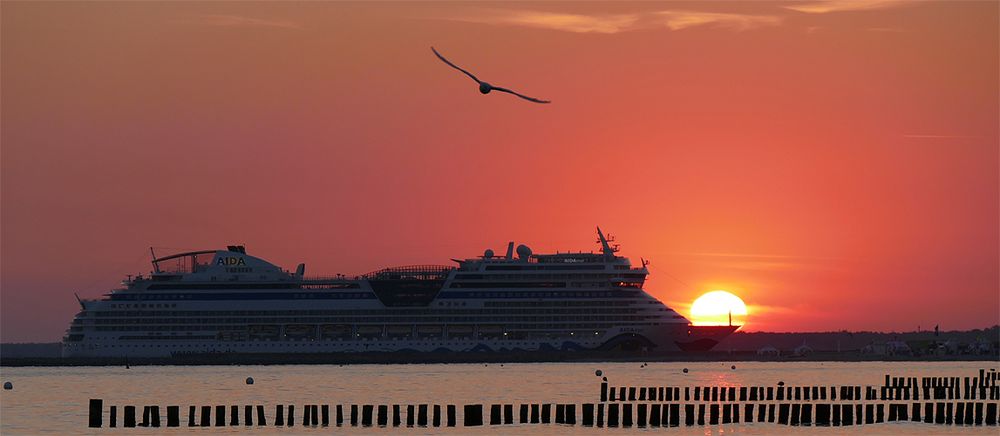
[
  {"x": 488, "y": 253},
  {"x": 523, "y": 251}
]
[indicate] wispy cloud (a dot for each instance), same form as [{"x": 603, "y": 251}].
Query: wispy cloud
[
  {"x": 677, "y": 20},
  {"x": 241, "y": 21},
  {"x": 938, "y": 136},
  {"x": 578, "y": 23},
  {"x": 827, "y": 6},
  {"x": 885, "y": 29},
  {"x": 763, "y": 262},
  {"x": 614, "y": 23}
]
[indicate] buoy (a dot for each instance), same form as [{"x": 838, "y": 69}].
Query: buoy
[
  {"x": 8, "y": 386},
  {"x": 598, "y": 373},
  {"x": 249, "y": 380},
  {"x": 685, "y": 370}
]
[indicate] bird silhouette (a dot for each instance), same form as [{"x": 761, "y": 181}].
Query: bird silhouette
[{"x": 485, "y": 87}]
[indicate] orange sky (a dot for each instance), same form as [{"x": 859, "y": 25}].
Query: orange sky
[{"x": 834, "y": 164}]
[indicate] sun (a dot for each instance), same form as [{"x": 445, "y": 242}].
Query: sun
[{"x": 714, "y": 308}]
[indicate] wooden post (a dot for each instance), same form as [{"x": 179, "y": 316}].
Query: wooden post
[
  {"x": 382, "y": 416},
  {"x": 422, "y": 415},
  {"x": 612, "y": 415},
  {"x": 783, "y": 413},
  {"x": 129, "y": 416},
  {"x": 96, "y": 418},
  {"x": 366, "y": 415},
  {"x": 173, "y": 416}
]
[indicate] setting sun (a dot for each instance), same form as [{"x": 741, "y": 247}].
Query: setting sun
[{"x": 714, "y": 308}]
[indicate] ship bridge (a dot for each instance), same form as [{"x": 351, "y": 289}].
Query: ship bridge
[{"x": 414, "y": 285}]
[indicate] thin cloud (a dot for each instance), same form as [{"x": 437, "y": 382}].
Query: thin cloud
[
  {"x": 827, "y": 6},
  {"x": 576, "y": 23},
  {"x": 241, "y": 21},
  {"x": 939, "y": 136},
  {"x": 763, "y": 262},
  {"x": 885, "y": 29},
  {"x": 678, "y": 20},
  {"x": 615, "y": 23}
]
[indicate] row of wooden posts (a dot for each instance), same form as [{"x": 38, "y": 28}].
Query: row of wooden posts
[
  {"x": 984, "y": 387},
  {"x": 600, "y": 414},
  {"x": 947, "y": 390}
]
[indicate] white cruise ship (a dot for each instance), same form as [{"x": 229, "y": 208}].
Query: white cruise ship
[{"x": 226, "y": 301}]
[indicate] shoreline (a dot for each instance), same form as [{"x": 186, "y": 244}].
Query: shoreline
[{"x": 465, "y": 358}]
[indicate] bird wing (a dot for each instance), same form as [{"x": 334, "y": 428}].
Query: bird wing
[
  {"x": 497, "y": 88},
  {"x": 454, "y": 66}
]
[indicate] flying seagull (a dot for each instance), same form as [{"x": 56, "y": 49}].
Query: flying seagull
[{"x": 484, "y": 87}]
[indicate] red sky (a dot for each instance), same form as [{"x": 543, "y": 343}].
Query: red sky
[{"x": 834, "y": 164}]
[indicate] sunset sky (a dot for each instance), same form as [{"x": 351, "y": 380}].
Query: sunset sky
[{"x": 835, "y": 164}]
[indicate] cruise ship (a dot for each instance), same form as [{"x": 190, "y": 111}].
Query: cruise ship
[{"x": 227, "y": 301}]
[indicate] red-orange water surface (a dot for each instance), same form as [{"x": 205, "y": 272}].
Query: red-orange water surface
[{"x": 53, "y": 400}]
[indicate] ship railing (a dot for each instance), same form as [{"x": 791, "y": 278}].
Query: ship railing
[{"x": 335, "y": 278}]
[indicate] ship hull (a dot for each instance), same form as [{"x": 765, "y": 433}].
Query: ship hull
[{"x": 668, "y": 338}]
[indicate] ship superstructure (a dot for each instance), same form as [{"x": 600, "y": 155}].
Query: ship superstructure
[{"x": 227, "y": 301}]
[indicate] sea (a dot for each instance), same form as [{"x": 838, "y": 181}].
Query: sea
[{"x": 54, "y": 400}]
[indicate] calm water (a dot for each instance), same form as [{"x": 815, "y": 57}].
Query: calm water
[{"x": 54, "y": 400}]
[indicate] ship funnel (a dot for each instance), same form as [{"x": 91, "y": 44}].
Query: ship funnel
[
  {"x": 300, "y": 270},
  {"x": 510, "y": 250}
]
